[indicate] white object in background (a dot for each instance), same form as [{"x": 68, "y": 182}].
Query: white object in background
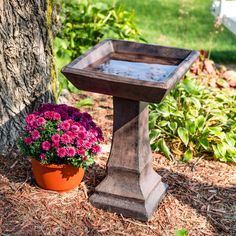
[{"x": 225, "y": 10}]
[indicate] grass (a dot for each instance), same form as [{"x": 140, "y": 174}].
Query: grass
[{"x": 183, "y": 23}]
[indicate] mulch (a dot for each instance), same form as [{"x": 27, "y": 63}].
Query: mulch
[{"x": 201, "y": 197}]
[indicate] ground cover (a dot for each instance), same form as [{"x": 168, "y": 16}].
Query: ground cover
[{"x": 201, "y": 196}]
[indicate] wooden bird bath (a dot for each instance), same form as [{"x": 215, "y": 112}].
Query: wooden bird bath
[{"x": 134, "y": 74}]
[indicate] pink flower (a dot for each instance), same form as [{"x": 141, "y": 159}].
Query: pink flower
[
  {"x": 81, "y": 135},
  {"x": 56, "y": 145},
  {"x": 87, "y": 144},
  {"x": 35, "y": 134},
  {"x": 46, "y": 145},
  {"x": 30, "y": 118},
  {"x": 96, "y": 149},
  {"x": 56, "y": 116},
  {"x": 65, "y": 138},
  {"x": 82, "y": 129},
  {"x": 70, "y": 151},
  {"x": 65, "y": 125},
  {"x": 40, "y": 121},
  {"x": 71, "y": 134},
  {"x": 61, "y": 152},
  {"x": 56, "y": 138},
  {"x": 42, "y": 156},
  {"x": 48, "y": 115},
  {"x": 79, "y": 143},
  {"x": 28, "y": 140},
  {"x": 75, "y": 128},
  {"x": 81, "y": 151}
]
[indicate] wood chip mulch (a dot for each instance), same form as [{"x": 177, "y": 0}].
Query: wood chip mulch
[{"x": 201, "y": 197}]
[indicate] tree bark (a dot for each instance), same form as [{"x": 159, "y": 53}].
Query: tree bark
[{"x": 25, "y": 63}]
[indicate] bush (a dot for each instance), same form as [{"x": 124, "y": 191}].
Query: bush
[
  {"x": 195, "y": 120},
  {"x": 84, "y": 24}
]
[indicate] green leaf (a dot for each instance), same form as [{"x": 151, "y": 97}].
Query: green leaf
[
  {"x": 173, "y": 126},
  {"x": 230, "y": 140},
  {"x": 163, "y": 123},
  {"x": 164, "y": 109},
  {"x": 200, "y": 122},
  {"x": 204, "y": 142},
  {"x": 181, "y": 232},
  {"x": 84, "y": 102},
  {"x": 163, "y": 147},
  {"x": 153, "y": 135},
  {"x": 190, "y": 126},
  {"x": 222, "y": 147},
  {"x": 73, "y": 89},
  {"x": 190, "y": 86},
  {"x": 184, "y": 135},
  {"x": 216, "y": 151},
  {"x": 188, "y": 155}
]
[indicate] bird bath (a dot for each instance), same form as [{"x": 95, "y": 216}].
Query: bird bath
[{"x": 134, "y": 74}]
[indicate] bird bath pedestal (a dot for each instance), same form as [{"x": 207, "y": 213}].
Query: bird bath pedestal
[{"x": 134, "y": 74}]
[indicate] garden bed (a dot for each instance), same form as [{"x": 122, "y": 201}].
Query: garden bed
[{"x": 201, "y": 197}]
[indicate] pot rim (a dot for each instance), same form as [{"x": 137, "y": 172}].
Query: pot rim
[{"x": 54, "y": 166}]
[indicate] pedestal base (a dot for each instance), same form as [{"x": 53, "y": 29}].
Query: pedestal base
[
  {"x": 131, "y": 187},
  {"x": 130, "y": 207}
]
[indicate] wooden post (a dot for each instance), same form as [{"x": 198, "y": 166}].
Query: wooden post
[{"x": 131, "y": 187}]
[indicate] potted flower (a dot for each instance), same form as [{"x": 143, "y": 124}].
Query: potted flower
[{"x": 61, "y": 142}]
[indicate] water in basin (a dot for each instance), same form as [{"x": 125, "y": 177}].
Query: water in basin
[{"x": 136, "y": 70}]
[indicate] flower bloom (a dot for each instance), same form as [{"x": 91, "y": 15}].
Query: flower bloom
[
  {"x": 35, "y": 134},
  {"x": 65, "y": 125},
  {"x": 30, "y": 118},
  {"x": 56, "y": 116},
  {"x": 56, "y": 145},
  {"x": 61, "y": 132},
  {"x": 70, "y": 151},
  {"x": 56, "y": 138},
  {"x": 40, "y": 121},
  {"x": 42, "y": 156},
  {"x": 75, "y": 128},
  {"x": 46, "y": 145},
  {"x": 96, "y": 149},
  {"x": 79, "y": 143},
  {"x": 87, "y": 144},
  {"x": 65, "y": 138},
  {"x": 71, "y": 134},
  {"x": 48, "y": 115},
  {"x": 80, "y": 151},
  {"x": 28, "y": 140},
  {"x": 61, "y": 152}
]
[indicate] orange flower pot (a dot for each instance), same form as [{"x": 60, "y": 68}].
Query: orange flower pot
[{"x": 57, "y": 177}]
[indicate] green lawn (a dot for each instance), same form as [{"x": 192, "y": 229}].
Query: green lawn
[{"x": 182, "y": 23}]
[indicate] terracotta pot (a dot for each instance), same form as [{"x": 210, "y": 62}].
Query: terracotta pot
[{"x": 57, "y": 177}]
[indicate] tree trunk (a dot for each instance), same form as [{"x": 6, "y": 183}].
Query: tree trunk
[{"x": 25, "y": 63}]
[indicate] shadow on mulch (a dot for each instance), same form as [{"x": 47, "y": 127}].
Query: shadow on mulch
[{"x": 216, "y": 203}]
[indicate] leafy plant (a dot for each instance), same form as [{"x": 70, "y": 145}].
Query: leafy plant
[
  {"x": 195, "y": 120},
  {"x": 84, "y": 24},
  {"x": 181, "y": 232},
  {"x": 60, "y": 134}
]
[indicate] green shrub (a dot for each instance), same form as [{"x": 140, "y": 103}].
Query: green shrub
[
  {"x": 84, "y": 24},
  {"x": 194, "y": 120}
]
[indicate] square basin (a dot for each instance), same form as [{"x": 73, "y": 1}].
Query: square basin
[{"x": 131, "y": 70}]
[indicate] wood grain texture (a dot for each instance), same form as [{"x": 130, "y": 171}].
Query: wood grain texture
[{"x": 25, "y": 60}]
